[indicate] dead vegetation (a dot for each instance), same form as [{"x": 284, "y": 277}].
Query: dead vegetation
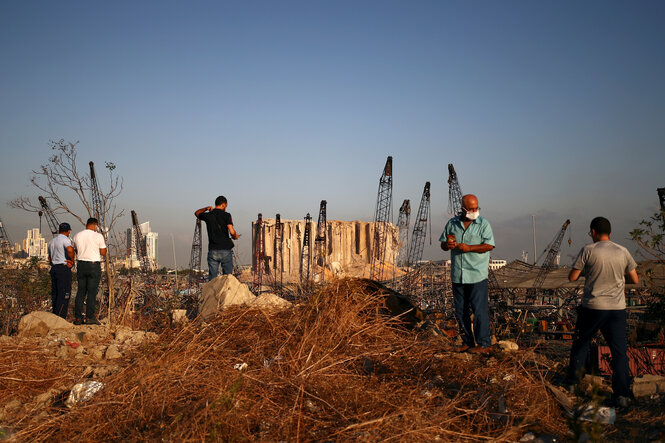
[{"x": 331, "y": 368}]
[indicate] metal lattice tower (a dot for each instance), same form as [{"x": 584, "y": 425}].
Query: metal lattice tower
[
  {"x": 259, "y": 253},
  {"x": 278, "y": 242},
  {"x": 403, "y": 223},
  {"x": 661, "y": 197},
  {"x": 97, "y": 206},
  {"x": 305, "y": 255},
  {"x": 197, "y": 246},
  {"x": 321, "y": 241},
  {"x": 5, "y": 242},
  {"x": 382, "y": 219},
  {"x": 51, "y": 219},
  {"x": 454, "y": 192},
  {"x": 140, "y": 246},
  {"x": 548, "y": 264},
  {"x": 420, "y": 229}
]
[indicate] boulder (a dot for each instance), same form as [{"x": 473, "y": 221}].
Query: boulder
[
  {"x": 271, "y": 301},
  {"x": 39, "y": 323},
  {"x": 508, "y": 345},
  {"x": 112, "y": 353},
  {"x": 223, "y": 291}
]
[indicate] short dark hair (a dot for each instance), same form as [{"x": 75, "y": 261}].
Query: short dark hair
[
  {"x": 601, "y": 225},
  {"x": 92, "y": 221},
  {"x": 220, "y": 200}
]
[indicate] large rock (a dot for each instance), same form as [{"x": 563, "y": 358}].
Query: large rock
[
  {"x": 271, "y": 301},
  {"x": 223, "y": 291},
  {"x": 39, "y": 323}
]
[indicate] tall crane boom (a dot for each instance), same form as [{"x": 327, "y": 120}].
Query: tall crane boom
[
  {"x": 321, "y": 241},
  {"x": 97, "y": 207},
  {"x": 420, "y": 228},
  {"x": 51, "y": 219},
  {"x": 197, "y": 245},
  {"x": 5, "y": 242},
  {"x": 454, "y": 192},
  {"x": 403, "y": 224},
  {"x": 661, "y": 197},
  {"x": 382, "y": 217},
  {"x": 259, "y": 253},
  {"x": 305, "y": 255},
  {"x": 140, "y": 246},
  {"x": 548, "y": 264}
]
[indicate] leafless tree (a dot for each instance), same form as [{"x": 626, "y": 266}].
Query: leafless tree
[{"x": 58, "y": 179}]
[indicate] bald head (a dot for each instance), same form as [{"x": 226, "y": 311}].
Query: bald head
[
  {"x": 469, "y": 207},
  {"x": 470, "y": 202}
]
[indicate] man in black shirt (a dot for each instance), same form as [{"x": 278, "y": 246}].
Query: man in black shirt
[{"x": 219, "y": 225}]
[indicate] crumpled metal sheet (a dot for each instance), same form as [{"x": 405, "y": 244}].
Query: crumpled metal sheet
[{"x": 82, "y": 392}]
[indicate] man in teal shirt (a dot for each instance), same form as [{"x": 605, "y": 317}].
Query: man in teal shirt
[{"x": 469, "y": 239}]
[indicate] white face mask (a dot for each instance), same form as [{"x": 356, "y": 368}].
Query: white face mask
[{"x": 472, "y": 215}]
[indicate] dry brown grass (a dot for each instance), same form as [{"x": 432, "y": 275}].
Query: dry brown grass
[{"x": 330, "y": 369}]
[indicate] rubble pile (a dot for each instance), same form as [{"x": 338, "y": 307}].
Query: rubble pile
[{"x": 335, "y": 366}]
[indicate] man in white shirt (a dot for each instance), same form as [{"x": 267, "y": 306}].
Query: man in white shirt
[
  {"x": 90, "y": 247},
  {"x": 61, "y": 257}
]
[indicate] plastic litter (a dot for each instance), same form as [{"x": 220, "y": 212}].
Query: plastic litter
[
  {"x": 82, "y": 392},
  {"x": 240, "y": 366},
  {"x": 598, "y": 414}
]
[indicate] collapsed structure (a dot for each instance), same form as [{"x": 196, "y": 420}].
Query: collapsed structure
[{"x": 348, "y": 249}]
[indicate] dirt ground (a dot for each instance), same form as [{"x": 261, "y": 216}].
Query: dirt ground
[{"x": 332, "y": 368}]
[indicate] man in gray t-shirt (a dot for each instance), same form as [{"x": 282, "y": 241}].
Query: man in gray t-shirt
[{"x": 606, "y": 266}]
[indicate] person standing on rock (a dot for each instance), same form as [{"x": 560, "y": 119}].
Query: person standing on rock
[
  {"x": 469, "y": 239},
  {"x": 61, "y": 258},
  {"x": 90, "y": 247},
  {"x": 606, "y": 267},
  {"x": 219, "y": 225}
]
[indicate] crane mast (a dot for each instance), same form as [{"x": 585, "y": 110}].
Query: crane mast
[
  {"x": 140, "y": 246},
  {"x": 403, "y": 229},
  {"x": 382, "y": 219},
  {"x": 306, "y": 251},
  {"x": 661, "y": 197},
  {"x": 51, "y": 219},
  {"x": 97, "y": 206},
  {"x": 321, "y": 241},
  {"x": 5, "y": 243},
  {"x": 548, "y": 264},
  {"x": 454, "y": 192},
  {"x": 420, "y": 228},
  {"x": 259, "y": 253},
  {"x": 197, "y": 245}
]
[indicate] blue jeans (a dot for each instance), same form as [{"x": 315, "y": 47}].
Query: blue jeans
[
  {"x": 61, "y": 289},
  {"x": 612, "y": 324},
  {"x": 472, "y": 298},
  {"x": 217, "y": 258}
]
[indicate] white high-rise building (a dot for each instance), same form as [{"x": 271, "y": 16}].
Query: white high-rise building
[
  {"x": 35, "y": 245},
  {"x": 150, "y": 239}
]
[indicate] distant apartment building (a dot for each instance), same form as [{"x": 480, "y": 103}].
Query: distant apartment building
[
  {"x": 497, "y": 264},
  {"x": 35, "y": 245},
  {"x": 150, "y": 239}
]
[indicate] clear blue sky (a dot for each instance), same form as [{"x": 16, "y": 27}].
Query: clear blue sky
[{"x": 552, "y": 108}]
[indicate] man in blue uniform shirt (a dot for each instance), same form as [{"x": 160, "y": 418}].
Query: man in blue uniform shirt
[
  {"x": 61, "y": 257},
  {"x": 469, "y": 239}
]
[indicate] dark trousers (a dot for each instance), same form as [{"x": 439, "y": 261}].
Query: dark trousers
[
  {"x": 61, "y": 289},
  {"x": 612, "y": 324},
  {"x": 472, "y": 298},
  {"x": 88, "y": 276}
]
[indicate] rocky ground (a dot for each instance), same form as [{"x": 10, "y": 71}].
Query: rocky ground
[{"x": 327, "y": 369}]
